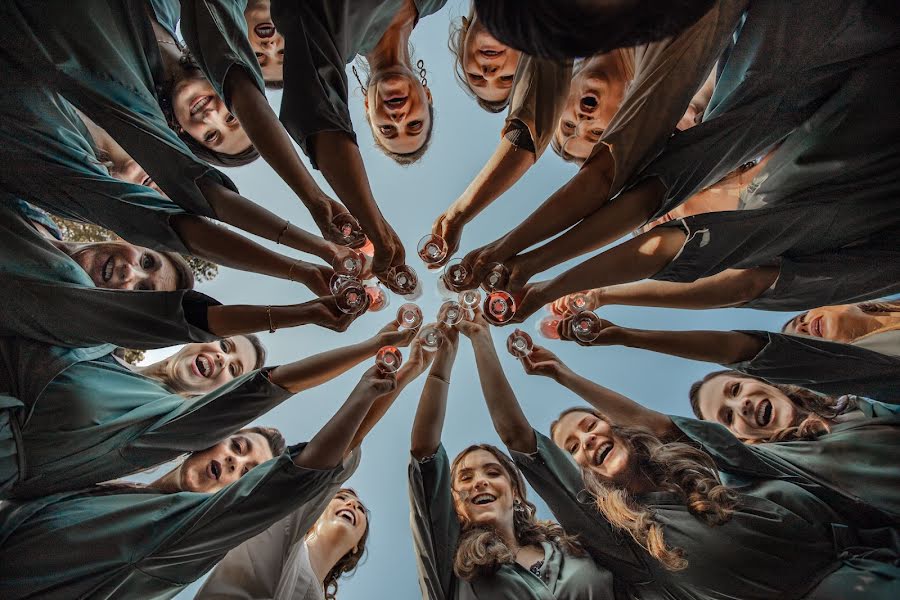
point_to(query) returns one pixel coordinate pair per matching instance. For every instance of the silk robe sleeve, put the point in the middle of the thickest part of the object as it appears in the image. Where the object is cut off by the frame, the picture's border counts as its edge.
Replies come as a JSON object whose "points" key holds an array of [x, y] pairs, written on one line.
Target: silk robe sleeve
{"points": [[557, 479], [538, 95], [828, 367], [435, 527]]}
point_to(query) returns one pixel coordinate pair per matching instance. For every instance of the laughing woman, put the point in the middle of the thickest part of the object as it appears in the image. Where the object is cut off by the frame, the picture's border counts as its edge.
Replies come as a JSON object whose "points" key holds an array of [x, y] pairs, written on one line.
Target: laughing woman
{"points": [[152, 541], [475, 532], [660, 517], [74, 417]]}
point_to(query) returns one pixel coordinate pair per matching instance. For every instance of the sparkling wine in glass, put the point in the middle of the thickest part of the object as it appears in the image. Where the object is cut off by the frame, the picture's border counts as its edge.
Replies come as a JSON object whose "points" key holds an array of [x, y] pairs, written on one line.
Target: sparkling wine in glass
{"points": [[519, 343], [451, 312], [406, 281], [351, 296], [432, 249], [496, 279], [348, 228], [378, 298], [409, 316], [388, 359], [586, 326], [548, 327], [469, 300], [499, 307], [431, 338]]}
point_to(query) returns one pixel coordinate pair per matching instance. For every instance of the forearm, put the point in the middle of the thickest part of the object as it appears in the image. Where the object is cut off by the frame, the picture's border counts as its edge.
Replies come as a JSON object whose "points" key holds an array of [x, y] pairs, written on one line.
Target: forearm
{"points": [[429, 420], [724, 347], [505, 167], [329, 446], [240, 319], [381, 406], [269, 136], [319, 368]]}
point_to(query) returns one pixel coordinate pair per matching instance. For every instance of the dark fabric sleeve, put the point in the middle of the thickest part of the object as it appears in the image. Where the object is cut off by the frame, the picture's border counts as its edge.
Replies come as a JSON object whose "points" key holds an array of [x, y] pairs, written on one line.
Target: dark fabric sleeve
{"points": [[435, 528], [537, 98], [729, 453], [519, 136], [557, 479], [828, 367]]}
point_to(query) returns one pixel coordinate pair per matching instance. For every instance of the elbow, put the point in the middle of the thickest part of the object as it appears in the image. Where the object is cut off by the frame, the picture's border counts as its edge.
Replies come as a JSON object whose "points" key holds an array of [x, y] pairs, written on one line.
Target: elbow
{"points": [[520, 438], [753, 283]]}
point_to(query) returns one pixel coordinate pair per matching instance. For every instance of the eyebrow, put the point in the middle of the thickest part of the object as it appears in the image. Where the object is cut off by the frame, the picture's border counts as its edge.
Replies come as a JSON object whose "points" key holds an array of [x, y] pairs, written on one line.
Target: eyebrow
{"points": [[793, 322]]}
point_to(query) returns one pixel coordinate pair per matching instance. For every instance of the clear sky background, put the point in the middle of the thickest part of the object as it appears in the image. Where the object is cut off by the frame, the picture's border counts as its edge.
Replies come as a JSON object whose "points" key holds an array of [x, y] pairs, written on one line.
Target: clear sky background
{"points": [[411, 198]]}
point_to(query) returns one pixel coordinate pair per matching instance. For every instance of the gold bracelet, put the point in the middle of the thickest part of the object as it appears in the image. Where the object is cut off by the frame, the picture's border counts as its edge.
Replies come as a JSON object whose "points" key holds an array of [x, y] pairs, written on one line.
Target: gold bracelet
{"points": [[291, 271], [439, 378], [272, 327], [283, 229]]}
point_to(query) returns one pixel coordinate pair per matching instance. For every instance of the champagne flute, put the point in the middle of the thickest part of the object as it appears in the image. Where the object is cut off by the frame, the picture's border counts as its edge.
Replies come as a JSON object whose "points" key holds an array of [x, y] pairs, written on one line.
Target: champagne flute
{"points": [[409, 316], [586, 326], [432, 249], [576, 303], [350, 265], [351, 297], [499, 307], [450, 313], [469, 300], [388, 359], [406, 281], [431, 338], [348, 228], [496, 279], [519, 343], [454, 276]]}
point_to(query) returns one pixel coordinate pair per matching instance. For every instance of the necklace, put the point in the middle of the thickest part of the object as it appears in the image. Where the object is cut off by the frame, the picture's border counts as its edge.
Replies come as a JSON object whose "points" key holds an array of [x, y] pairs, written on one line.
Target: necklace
{"points": [[176, 44]]}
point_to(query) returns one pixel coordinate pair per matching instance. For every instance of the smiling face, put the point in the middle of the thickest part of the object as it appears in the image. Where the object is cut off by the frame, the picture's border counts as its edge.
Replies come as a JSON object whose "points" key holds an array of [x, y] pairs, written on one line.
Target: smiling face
{"points": [[203, 116], [344, 521], [226, 462], [201, 368], [397, 104], [750, 409], [267, 43], [122, 266], [489, 66], [593, 444], [483, 490], [844, 323]]}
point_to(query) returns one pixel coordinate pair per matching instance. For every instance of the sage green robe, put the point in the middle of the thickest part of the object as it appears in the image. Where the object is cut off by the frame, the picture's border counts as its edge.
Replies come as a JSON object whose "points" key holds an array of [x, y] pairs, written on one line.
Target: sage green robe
{"points": [[436, 530], [138, 542], [778, 544]]}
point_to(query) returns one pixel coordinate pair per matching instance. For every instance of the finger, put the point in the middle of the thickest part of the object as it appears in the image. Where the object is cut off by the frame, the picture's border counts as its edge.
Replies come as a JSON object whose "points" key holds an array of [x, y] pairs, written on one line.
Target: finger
{"points": [[392, 326]]}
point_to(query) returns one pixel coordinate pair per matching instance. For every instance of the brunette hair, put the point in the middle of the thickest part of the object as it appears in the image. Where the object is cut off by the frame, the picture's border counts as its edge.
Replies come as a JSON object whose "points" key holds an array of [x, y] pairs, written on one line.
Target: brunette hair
{"points": [[674, 467], [183, 272], [814, 411], [481, 551], [457, 44], [348, 563], [871, 307], [261, 352], [277, 443]]}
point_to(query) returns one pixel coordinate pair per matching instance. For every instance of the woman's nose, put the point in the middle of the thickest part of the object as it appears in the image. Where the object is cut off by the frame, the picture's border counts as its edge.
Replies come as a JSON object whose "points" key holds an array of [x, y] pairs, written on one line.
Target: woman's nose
{"points": [[489, 70], [746, 407], [589, 442]]}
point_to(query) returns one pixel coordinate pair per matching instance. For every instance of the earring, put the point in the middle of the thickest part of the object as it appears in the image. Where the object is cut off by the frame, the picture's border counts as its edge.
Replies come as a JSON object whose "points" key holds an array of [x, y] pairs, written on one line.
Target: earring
{"points": [[365, 90], [422, 71], [517, 506]]}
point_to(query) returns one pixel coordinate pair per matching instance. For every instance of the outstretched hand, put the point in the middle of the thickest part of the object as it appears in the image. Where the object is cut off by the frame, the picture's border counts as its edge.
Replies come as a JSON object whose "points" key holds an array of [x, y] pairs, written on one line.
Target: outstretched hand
{"points": [[374, 382], [324, 215], [476, 326], [608, 331], [389, 252], [560, 306], [392, 335], [451, 230], [324, 312], [532, 298], [541, 361]]}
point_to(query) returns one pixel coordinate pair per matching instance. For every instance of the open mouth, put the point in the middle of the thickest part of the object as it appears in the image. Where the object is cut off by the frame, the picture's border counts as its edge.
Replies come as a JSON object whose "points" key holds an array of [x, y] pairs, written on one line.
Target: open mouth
{"points": [[203, 366], [348, 515], [589, 103], [200, 103], [214, 469], [764, 413], [107, 271], [490, 52], [482, 499], [264, 30], [395, 102], [602, 452], [815, 327]]}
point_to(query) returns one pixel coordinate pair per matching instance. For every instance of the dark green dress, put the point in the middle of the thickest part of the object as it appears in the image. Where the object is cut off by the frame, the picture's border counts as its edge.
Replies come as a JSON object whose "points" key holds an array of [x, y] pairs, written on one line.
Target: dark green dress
{"points": [[778, 544], [436, 532], [139, 542]]}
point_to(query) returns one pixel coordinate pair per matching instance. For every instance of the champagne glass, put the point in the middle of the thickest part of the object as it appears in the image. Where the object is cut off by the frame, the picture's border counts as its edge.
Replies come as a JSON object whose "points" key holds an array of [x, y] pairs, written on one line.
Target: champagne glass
{"points": [[548, 326], [432, 249], [469, 300], [454, 276], [431, 338], [348, 228], [450, 312], [586, 326], [350, 265], [519, 343], [409, 316], [499, 307], [351, 296], [496, 279], [577, 303], [388, 359], [338, 281], [378, 298], [406, 281]]}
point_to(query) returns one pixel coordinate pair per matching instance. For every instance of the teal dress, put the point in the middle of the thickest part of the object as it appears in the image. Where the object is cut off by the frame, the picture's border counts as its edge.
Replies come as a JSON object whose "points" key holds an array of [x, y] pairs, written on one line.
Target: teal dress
{"points": [[103, 58], [321, 37], [436, 531], [779, 544], [47, 296], [75, 417], [126, 541]]}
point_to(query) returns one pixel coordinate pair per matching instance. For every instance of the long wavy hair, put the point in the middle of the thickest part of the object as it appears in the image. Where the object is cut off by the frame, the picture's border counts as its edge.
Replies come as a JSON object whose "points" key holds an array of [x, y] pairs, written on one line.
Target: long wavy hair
{"points": [[348, 563], [874, 307], [814, 412], [674, 467], [481, 550]]}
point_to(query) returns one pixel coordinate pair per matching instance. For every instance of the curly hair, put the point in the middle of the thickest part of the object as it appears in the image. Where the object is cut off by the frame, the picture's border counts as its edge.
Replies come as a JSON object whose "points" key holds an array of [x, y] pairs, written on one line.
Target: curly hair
{"points": [[456, 42], [813, 415], [348, 563], [481, 550], [670, 466]]}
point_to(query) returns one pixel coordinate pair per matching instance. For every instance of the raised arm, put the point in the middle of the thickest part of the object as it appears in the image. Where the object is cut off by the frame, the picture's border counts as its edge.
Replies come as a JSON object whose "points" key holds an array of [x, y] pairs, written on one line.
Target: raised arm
{"points": [[429, 420], [510, 422], [238, 319]]}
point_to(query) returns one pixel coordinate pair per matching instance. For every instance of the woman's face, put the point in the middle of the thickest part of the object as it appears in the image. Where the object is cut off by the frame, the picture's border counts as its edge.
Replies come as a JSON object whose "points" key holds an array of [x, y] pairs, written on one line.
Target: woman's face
{"points": [[750, 409], [204, 116], [843, 323], [344, 521], [122, 266], [201, 368], [483, 490], [595, 94], [489, 65], [593, 444], [226, 462], [267, 43], [397, 105]]}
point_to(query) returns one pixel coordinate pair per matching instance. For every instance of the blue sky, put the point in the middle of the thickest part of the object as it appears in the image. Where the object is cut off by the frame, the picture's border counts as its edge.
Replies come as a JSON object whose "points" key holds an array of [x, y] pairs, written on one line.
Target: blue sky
{"points": [[410, 199]]}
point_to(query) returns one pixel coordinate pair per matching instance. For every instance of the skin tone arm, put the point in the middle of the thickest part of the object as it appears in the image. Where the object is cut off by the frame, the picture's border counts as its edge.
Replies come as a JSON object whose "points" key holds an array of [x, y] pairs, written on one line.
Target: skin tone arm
{"points": [[329, 446], [505, 167], [723, 347], [239, 319], [429, 420], [620, 409], [275, 146], [510, 422]]}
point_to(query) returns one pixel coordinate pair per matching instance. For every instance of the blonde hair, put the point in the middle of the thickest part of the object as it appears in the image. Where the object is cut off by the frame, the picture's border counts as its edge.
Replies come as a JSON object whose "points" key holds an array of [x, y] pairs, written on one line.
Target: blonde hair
{"points": [[481, 550], [456, 42]]}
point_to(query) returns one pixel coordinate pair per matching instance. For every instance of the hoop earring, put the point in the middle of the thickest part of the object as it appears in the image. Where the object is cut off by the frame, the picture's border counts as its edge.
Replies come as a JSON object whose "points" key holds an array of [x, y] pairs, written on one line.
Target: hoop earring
{"points": [[365, 90], [420, 64]]}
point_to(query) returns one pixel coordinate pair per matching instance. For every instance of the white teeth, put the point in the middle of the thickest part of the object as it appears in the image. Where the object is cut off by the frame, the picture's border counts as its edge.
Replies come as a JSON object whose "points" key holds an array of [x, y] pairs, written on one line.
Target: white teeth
{"points": [[348, 515], [602, 452], [203, 365], [107, 270], [483, 499]]}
